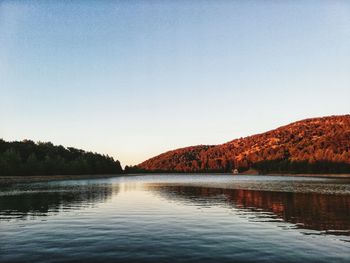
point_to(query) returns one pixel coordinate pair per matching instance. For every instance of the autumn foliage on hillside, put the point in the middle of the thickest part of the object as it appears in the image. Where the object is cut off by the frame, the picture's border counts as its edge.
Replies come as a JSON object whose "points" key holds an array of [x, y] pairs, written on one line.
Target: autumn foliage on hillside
{"points": [[311, 145]]}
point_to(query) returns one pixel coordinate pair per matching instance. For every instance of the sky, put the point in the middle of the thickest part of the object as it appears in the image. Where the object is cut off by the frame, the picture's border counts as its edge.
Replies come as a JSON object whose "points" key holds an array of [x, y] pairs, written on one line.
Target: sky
{"points": [[133, 79]]}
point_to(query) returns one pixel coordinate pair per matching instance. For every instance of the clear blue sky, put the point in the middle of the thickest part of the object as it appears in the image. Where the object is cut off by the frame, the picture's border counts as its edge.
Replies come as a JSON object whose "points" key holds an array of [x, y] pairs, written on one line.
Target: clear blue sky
{"points": [[135, 78]]}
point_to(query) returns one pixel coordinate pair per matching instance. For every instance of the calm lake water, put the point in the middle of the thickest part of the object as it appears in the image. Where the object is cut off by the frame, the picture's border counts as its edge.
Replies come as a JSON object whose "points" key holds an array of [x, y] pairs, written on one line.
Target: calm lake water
{"points": [[187, 218]]}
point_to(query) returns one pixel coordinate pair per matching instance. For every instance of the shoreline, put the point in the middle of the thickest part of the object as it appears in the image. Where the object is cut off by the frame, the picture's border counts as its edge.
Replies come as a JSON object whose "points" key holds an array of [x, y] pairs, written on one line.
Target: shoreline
{"points": [[8, 180], [344, 176]]}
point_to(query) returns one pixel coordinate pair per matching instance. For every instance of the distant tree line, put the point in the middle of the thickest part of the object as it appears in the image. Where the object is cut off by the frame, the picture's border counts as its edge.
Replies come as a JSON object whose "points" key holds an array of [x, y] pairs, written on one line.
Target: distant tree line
{"points": [[138, 170], [318, 145], [43, 158], [288, 166]]}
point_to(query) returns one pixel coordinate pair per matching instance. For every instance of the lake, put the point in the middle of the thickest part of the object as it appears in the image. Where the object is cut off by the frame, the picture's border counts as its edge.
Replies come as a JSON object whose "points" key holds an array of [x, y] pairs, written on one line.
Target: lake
{"points": [[173, 218]]}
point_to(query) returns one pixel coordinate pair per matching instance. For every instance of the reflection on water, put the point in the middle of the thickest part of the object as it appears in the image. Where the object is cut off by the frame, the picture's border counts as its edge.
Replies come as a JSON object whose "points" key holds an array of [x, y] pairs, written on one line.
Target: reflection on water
{"points": [[42, 199], [323, 212], [153, 218]]}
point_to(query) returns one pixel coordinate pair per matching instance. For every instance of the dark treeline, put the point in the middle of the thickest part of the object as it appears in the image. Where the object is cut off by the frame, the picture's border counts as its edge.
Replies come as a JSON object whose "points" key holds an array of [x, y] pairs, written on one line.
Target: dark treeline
{"points": [[44, 158], [138, 170], [288, 166], [267, 167]]}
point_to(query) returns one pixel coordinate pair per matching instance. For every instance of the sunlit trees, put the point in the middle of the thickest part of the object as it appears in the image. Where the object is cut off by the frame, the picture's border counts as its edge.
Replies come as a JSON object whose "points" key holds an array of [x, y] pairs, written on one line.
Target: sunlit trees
{"points": [[308, 146]]}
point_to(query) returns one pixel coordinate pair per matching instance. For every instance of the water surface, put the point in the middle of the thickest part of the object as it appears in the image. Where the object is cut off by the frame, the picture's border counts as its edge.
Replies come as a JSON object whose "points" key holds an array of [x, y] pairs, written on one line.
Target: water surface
{"points": [[187, 218]]}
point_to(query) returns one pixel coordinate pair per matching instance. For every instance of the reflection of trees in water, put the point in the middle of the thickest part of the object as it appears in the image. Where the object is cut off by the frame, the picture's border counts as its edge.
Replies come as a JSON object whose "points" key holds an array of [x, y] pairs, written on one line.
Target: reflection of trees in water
{"points": [[308, 210], [40, 202]]}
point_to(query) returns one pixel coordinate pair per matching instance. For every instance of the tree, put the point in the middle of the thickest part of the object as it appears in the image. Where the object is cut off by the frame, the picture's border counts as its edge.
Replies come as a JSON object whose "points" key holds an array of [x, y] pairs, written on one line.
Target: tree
{"points": [[10, 163], [33, 165], [29, 158]]}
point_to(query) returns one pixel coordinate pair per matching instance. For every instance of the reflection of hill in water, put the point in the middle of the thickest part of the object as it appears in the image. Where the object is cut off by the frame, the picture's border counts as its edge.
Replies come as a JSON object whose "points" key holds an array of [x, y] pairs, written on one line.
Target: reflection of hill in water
{"points": [[43, 200], [323, 212]]}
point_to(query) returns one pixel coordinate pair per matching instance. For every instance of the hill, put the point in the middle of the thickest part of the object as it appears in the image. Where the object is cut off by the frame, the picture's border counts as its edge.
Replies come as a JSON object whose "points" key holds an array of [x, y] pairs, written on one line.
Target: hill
{"points": [[30, 158], [316, 145]]}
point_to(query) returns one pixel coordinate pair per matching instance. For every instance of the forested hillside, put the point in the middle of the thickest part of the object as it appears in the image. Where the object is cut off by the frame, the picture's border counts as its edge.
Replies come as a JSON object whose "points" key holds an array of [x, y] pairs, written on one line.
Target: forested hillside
{"points": [[29, 158], [317, 145]]}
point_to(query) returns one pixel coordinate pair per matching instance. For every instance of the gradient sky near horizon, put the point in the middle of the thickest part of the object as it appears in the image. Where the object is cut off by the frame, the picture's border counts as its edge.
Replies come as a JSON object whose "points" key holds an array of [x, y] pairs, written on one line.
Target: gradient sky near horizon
{"points": [[133, 79]]}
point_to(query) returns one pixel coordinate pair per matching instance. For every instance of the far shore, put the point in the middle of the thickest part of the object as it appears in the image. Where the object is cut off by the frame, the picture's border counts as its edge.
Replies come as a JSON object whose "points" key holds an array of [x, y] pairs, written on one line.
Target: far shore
{"points": [[8, 180], [255, 172], [306, 175]]}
